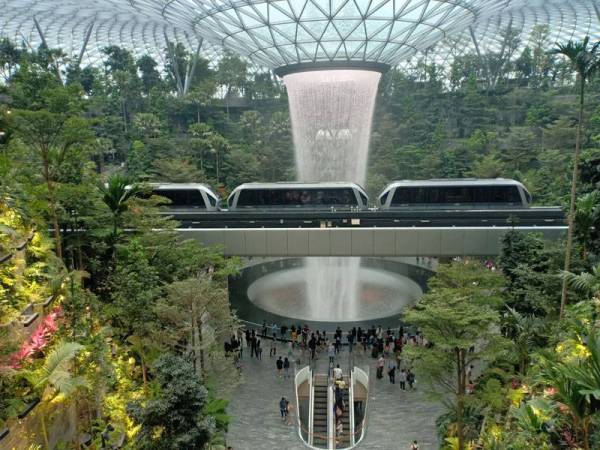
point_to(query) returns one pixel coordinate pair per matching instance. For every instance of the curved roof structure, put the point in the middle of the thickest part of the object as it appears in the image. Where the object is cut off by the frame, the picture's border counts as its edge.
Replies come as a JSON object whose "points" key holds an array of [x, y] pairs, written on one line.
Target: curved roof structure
{"points": [[276, 33]]}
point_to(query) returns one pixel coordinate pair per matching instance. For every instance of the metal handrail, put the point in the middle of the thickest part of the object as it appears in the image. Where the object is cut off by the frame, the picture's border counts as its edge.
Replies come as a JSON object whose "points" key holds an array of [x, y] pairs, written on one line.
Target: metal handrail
{"points": [[328, 439], [351, 406], [259, 326], [330, 416], [311, 408]]}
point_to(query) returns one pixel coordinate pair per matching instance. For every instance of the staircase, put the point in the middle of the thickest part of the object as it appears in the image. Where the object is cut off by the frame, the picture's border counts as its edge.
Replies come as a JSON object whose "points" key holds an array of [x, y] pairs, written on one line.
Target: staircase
{"points": [[344, 441], [320, 412]]}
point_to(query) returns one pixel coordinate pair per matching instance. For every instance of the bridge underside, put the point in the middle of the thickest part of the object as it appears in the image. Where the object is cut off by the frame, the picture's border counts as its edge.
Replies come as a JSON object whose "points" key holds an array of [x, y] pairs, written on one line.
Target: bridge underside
{"points": [[413, 241]]}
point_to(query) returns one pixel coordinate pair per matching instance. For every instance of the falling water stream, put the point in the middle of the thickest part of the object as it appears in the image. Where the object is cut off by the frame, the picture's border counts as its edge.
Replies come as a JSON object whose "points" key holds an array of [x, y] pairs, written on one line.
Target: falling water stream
{"points": [[332, 113]]}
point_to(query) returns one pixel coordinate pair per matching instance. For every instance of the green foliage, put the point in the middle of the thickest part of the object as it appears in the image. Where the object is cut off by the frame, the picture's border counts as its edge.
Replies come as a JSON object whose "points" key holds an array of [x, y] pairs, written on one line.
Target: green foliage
{"points": [[133, 288], [174, 417], [459, 317]]}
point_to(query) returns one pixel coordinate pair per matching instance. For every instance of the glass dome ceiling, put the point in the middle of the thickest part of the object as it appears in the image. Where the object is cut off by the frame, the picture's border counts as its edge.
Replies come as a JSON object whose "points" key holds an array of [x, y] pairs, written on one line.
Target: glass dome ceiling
{"points": [[277, 33]]}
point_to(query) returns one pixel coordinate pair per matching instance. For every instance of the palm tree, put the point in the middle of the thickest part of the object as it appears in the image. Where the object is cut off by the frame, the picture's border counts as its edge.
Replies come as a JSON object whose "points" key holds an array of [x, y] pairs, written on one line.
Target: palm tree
{"points": [[116, 194], [54, 380], [577, 385], [586, 283], [526, 329], [567, 392], [585, 61]]}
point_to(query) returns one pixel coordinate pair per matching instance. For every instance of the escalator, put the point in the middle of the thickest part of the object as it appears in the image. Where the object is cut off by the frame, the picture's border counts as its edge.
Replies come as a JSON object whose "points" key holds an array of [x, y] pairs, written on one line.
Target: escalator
{"points": [[344, 441], [320, 412]]}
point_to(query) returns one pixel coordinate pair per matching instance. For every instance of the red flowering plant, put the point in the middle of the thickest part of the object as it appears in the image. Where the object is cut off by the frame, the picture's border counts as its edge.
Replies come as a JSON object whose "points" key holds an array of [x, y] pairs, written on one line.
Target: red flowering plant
{"points": [[38, 340]]}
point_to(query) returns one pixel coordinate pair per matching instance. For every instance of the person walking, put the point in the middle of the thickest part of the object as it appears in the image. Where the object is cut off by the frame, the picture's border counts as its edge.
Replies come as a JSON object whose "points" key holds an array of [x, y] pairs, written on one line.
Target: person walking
{"points": [[258, 350], [380, 366], [273, 350], [283, 408], [402, 379], [253, 342], [392, 370], [414, 445], [279, 365], [331, 353], [286, 367]]}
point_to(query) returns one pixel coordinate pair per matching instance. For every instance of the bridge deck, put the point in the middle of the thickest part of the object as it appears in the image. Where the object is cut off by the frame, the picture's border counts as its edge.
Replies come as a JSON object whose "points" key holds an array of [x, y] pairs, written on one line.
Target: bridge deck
{"points": [[303, 218], [363, 241]]}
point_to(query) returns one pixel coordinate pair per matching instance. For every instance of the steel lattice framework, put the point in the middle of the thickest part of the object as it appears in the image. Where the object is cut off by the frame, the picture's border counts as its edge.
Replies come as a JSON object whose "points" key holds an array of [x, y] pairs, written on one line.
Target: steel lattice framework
{"points": [[278, 33]]}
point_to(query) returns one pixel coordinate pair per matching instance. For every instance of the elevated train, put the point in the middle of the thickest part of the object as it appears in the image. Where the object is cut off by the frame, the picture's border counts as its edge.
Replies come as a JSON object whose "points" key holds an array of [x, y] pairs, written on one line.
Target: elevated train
{"points": [[451, 202], [466, 193], [320, 196]]}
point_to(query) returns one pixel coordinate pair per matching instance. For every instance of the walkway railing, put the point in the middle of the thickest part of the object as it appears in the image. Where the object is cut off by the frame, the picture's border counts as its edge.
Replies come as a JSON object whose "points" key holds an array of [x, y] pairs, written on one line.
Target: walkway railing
{"points": [[330, 416], [362, 377], [303, 375]]}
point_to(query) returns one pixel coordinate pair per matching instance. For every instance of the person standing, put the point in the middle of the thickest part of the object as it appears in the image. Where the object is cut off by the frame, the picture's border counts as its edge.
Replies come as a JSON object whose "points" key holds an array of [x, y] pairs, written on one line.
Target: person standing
{"points": [[293, 335], [350, 339], [339, 431], [410, 377], [414, 445], [273, 350], [312, 345], [286, 367], [279, 365], [402, 379], [392, 370], [337, 373], [253, 342]]}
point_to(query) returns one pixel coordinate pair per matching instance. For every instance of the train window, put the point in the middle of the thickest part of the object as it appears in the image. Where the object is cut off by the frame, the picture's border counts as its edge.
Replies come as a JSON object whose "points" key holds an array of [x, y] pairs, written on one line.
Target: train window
{"points": [[383, 198], [404, 196], [365, 200], [296, 197], [455, 195], [182, 197]]}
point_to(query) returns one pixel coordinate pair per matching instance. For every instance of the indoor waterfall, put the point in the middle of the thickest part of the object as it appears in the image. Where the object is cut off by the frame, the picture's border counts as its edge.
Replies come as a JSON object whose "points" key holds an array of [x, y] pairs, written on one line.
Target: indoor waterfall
{"points": [[331, 113]]}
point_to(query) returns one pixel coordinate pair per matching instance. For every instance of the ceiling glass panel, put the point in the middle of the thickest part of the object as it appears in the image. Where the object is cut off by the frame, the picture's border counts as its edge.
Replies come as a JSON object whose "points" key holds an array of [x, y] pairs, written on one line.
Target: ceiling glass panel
{"points": [[269, 31]]}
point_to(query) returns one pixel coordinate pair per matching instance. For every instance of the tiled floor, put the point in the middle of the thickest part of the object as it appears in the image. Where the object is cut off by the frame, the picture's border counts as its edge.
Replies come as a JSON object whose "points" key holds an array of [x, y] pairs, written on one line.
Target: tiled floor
{"points": [[394, 418]]}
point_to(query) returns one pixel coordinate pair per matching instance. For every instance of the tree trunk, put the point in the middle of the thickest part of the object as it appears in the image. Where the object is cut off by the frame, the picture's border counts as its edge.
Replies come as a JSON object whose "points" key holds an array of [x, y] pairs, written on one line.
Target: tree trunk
{"points": [[52, 202], [196, 337], [124, 108], [144, 373], [76, 426], [44, 428], [460, 378], [586, 433], [571, 218]]}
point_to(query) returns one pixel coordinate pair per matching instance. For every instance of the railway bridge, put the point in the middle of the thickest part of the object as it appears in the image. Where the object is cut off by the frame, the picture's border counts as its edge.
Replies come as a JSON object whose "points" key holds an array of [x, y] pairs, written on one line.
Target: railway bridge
{"points": [[368, 233]]}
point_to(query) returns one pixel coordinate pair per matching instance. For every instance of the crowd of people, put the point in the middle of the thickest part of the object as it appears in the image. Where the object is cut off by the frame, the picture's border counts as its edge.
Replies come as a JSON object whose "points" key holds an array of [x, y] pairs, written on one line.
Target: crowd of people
{"points": [[304, 344], [383, 345]]}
